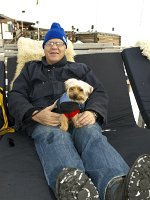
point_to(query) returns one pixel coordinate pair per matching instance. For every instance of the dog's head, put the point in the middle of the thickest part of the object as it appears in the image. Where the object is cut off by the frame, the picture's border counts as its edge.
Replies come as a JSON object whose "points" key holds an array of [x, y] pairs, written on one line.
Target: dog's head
{"points": [[78, 90]]}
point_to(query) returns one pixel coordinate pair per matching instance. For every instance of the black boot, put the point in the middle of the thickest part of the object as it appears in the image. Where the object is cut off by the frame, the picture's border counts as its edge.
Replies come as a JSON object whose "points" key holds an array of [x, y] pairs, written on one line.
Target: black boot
{"points": [[113, 191], [136, 185]]}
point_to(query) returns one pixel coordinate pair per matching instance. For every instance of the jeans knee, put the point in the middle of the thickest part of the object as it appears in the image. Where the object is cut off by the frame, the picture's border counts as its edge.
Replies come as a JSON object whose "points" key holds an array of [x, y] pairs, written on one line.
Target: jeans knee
{"points": [[58, 136], [93, 130], [86, 134], [49, 134]]}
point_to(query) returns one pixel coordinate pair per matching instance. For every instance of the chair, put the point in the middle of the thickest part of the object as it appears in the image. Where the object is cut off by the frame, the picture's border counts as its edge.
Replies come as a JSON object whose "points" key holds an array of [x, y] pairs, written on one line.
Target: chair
{"points": [[138, 70], [21, 174]]}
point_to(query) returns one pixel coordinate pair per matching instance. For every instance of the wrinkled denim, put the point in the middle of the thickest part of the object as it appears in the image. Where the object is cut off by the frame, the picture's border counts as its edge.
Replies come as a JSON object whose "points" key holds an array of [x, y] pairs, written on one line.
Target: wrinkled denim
{"points": [[83, 148]]}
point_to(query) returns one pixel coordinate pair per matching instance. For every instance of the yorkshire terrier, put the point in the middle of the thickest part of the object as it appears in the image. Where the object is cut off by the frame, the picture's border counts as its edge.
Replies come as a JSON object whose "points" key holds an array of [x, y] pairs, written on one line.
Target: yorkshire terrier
{"points": [[72, 101]]}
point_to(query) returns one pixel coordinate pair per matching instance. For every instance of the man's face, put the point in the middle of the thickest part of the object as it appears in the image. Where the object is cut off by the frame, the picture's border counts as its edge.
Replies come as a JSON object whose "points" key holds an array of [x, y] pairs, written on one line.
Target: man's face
{"points": [[54, 50]]}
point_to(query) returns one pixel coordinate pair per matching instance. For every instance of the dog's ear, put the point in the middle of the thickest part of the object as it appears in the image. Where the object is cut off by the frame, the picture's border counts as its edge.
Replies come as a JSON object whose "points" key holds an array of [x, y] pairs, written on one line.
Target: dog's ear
{"points": [[90, 90], [69, 82]]}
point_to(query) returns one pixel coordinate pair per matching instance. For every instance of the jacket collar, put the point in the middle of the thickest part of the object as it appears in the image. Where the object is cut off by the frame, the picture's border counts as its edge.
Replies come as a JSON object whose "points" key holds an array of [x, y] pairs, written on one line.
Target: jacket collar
{"points": [[61, 63]]}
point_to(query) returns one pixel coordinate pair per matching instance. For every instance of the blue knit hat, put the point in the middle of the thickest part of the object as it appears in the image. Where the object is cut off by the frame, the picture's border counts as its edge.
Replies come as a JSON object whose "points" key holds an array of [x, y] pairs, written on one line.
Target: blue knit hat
{"points": [[56, 31]]}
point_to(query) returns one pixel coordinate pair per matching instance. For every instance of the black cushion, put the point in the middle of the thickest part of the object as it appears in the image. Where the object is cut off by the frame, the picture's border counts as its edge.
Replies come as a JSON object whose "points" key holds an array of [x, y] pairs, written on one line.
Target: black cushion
{"points": [[21, 174], [130, 142], [138, 70]]}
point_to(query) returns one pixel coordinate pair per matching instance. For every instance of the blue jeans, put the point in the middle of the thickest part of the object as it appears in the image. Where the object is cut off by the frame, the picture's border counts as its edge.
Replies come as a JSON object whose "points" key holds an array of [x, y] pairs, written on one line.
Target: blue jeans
{"points": [[83, 148]]}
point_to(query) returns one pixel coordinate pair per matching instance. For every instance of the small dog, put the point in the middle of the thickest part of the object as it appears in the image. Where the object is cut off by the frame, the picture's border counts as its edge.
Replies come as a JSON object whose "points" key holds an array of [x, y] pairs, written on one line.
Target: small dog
{"points": [[77, 92]]}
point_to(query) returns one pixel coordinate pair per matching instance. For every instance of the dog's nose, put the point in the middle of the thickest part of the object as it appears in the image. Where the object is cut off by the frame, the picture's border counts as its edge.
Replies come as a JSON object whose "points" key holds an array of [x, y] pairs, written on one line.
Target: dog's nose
{"points": [[75, 96]]}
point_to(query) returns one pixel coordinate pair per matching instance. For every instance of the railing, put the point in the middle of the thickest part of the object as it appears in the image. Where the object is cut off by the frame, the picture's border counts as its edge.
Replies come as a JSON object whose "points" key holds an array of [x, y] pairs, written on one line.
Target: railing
{"points": [[85, 48], [8, 50]]}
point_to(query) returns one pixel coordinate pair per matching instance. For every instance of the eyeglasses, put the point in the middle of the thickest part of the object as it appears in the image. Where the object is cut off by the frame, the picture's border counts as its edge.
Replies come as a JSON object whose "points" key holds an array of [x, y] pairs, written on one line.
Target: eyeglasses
{"points": [[51, 44]]}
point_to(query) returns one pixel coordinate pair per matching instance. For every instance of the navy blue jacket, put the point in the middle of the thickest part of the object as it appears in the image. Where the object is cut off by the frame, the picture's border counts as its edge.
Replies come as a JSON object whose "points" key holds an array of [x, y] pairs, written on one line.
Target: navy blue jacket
{"points": [[40, 84]]}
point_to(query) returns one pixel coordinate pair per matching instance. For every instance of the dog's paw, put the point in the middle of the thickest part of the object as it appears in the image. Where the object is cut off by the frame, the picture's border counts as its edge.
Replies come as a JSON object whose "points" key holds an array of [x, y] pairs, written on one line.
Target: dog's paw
{"points": [[64, 123], [63, 128], [76, 126]]}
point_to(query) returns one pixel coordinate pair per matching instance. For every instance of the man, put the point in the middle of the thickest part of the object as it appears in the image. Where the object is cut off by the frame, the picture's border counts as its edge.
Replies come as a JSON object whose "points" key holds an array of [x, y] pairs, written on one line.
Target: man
{"points": [[80, 163]]}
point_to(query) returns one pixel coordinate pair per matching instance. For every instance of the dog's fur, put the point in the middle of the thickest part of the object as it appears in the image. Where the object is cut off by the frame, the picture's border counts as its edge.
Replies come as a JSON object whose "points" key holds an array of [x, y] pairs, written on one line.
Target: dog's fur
{"points": [[77, 91]]}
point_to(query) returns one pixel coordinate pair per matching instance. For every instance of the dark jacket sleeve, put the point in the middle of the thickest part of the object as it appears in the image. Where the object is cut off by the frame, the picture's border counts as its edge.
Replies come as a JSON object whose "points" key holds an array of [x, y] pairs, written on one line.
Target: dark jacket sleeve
{"points": [[98, 100], [18, 97]]}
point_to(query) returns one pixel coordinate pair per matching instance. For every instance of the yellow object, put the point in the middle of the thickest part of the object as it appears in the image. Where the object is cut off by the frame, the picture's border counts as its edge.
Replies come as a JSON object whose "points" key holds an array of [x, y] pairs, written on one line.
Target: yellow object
{"points": [[3, 116]]}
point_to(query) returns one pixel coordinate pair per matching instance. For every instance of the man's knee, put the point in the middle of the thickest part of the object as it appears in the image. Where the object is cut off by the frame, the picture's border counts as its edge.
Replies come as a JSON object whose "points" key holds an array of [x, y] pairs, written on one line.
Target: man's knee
{"points": [[93, 129], [49, 134], [88, 133], [58, 136]]}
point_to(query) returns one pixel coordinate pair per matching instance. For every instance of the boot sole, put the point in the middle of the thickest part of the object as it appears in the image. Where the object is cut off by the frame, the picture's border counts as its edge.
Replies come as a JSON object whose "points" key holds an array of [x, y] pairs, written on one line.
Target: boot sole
{"points": [[138, 179], [75, 184]]}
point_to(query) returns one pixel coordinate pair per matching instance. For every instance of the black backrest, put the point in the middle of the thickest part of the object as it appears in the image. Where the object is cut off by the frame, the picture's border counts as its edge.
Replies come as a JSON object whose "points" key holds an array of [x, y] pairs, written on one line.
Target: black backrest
{"points": [[2, 74], [138, 70], [108, 67], [11, 67]]}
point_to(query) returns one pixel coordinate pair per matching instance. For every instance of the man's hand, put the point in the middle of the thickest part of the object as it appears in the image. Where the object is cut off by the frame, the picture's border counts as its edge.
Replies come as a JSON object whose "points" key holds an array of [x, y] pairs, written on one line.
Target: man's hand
{"points": [[47, 117], [85, 118]]}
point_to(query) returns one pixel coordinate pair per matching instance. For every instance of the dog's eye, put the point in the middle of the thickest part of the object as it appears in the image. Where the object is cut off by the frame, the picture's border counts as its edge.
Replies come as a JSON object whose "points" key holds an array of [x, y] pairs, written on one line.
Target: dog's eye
{"points": [[81, 90], [70, 89]]}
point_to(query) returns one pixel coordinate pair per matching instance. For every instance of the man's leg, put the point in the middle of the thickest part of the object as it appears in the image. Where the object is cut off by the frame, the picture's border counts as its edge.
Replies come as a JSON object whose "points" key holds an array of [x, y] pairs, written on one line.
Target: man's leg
{"points": [[61, 162], [101, 161], [56, 151]]}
